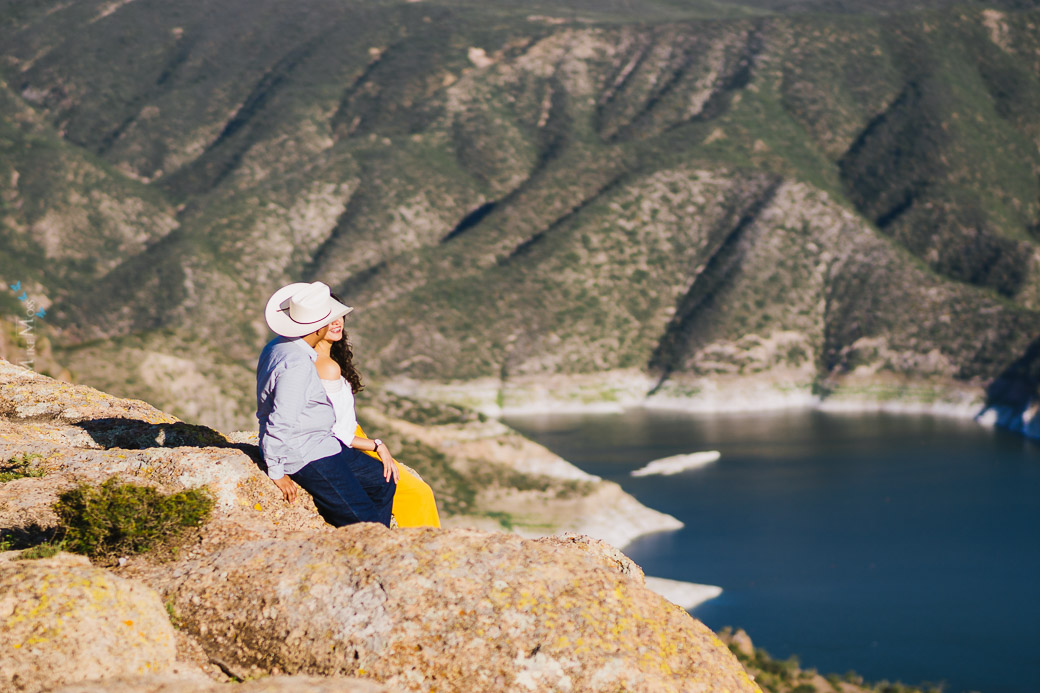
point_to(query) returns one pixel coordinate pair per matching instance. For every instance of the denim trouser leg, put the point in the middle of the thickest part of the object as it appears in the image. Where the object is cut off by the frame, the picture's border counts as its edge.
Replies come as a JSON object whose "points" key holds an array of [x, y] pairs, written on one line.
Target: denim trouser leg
{"points": [[348, 487]]}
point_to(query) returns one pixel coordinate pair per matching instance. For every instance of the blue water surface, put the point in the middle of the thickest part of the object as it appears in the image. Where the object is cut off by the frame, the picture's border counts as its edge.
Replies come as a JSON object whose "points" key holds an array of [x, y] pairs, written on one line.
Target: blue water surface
{"points": [[902, 547]]}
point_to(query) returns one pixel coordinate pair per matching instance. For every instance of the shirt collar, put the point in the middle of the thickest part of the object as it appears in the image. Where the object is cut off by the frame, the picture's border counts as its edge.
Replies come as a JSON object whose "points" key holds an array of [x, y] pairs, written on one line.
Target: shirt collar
{"points": [[308, 349]]}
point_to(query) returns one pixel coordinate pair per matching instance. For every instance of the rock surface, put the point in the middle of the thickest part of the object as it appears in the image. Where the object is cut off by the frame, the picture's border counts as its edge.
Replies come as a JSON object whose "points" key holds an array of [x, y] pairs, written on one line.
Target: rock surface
{"points": [[455, 610], [63, 620], [200, 684], [269, 589], [77, 434]]}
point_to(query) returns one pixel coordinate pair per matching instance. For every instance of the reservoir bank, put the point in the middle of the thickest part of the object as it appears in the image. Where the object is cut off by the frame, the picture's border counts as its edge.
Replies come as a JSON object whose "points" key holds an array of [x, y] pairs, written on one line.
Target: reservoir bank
{"points": [[904, 547]]}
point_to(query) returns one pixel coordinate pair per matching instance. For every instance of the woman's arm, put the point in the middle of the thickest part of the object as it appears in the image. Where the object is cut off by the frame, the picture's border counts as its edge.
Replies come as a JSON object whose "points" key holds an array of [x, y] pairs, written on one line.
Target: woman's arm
{"points": [[364, 444], [382, 451]]}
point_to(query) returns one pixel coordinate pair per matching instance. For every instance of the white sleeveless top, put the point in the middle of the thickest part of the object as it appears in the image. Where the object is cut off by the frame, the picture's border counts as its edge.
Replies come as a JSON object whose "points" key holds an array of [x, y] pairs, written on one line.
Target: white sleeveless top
{"points": [[342, 399]]}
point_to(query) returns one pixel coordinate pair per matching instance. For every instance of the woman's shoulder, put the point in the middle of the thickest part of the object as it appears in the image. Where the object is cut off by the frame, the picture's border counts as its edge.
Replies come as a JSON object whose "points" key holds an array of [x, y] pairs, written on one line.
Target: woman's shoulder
{"points": [[327, 368]]}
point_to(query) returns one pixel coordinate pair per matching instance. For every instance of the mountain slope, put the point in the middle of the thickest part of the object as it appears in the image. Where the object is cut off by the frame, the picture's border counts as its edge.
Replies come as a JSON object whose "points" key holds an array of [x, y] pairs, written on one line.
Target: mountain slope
{"points": [[691, 197]]}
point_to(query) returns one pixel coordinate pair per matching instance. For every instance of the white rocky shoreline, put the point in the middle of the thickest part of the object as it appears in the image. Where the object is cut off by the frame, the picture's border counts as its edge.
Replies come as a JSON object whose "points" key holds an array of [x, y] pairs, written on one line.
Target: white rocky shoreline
{"points": [[619, 391]]}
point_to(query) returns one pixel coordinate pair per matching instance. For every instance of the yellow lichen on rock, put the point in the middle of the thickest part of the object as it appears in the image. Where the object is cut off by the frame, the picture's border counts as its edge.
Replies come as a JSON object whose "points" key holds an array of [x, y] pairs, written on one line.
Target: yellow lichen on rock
{"points": [[25, 394], [65, 621], [448, 610], [200, 684], [268, 588]]}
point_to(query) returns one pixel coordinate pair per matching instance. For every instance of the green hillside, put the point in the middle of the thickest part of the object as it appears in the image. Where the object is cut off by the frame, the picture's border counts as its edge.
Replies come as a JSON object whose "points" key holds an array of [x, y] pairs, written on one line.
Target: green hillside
{"points": [[829, 197]]}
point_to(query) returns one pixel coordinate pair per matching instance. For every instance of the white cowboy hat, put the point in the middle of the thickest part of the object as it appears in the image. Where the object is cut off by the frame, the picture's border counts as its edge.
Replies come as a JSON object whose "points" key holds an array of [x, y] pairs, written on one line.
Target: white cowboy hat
{"points": [[301, 308]]}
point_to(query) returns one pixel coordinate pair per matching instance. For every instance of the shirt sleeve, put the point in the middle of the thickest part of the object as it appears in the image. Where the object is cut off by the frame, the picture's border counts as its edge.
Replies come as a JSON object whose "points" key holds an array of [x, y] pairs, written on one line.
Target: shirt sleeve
{"points": [[288, 402]]}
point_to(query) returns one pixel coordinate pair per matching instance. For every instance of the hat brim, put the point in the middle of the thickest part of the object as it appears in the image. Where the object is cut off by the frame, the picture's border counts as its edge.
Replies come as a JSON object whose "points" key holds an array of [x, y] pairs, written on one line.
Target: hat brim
{"points": [[280, 322]]}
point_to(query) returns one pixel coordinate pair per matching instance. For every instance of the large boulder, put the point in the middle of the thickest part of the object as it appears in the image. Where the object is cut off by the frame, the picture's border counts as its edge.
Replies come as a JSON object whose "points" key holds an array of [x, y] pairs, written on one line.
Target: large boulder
{"points": [[200, 684], [63, 620], [446, 610]]}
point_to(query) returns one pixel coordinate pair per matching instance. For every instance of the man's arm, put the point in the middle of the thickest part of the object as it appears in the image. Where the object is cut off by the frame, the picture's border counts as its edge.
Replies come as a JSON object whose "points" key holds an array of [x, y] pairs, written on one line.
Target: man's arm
{"points": [[289, 398]]}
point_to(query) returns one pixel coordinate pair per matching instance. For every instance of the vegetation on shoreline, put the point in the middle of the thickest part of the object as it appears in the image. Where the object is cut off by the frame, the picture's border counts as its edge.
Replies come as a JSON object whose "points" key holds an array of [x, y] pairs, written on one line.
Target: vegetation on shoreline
{"points": [[786, 676]]}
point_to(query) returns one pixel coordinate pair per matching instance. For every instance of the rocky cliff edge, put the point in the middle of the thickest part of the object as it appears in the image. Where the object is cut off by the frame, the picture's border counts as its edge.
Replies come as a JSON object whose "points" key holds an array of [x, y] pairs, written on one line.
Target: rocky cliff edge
{"points": [[269, 594]]}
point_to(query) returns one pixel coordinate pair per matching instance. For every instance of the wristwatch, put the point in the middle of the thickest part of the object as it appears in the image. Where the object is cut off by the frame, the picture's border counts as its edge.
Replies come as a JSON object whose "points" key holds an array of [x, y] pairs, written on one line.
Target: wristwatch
{"points": [[378, 443]]}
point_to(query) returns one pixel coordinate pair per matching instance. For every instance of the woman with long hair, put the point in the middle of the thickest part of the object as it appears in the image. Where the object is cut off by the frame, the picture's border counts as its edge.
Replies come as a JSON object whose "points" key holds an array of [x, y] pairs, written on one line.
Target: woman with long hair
{"points": [[414, 504]]}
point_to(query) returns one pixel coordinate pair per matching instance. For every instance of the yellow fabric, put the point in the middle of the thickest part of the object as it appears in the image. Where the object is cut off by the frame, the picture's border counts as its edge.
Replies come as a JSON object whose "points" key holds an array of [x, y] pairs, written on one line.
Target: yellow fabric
{"points": [[414, 504]]}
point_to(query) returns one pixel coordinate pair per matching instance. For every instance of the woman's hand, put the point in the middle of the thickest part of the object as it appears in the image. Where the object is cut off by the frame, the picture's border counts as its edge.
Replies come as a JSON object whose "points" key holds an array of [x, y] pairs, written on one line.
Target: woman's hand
{"points": [[287, 487], [389, 463]]}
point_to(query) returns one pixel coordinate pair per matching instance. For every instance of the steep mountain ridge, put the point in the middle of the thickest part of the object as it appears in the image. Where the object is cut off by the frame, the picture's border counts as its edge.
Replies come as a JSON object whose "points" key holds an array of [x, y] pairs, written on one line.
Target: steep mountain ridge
{"points": [[819, 203]]}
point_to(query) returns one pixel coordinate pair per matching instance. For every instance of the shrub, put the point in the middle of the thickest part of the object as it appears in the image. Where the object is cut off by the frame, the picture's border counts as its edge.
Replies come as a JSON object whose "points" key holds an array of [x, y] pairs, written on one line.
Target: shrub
{"points": [[118, 518]]}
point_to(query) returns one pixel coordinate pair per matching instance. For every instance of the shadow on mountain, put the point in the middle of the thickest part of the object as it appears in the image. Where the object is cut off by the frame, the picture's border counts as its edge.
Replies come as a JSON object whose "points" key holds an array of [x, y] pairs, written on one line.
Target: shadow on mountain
{"points": [[1012, 392], [471, 220]]}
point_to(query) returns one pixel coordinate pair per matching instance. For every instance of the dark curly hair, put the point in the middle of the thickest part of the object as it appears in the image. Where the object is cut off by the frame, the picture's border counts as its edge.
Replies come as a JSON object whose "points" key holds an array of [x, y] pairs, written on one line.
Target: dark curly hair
{"points": [[342, 354]]}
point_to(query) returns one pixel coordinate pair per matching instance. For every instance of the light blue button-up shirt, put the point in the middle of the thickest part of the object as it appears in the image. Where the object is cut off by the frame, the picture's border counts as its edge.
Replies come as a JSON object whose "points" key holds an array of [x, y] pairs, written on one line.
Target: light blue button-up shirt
{"points": [[295, 414]]}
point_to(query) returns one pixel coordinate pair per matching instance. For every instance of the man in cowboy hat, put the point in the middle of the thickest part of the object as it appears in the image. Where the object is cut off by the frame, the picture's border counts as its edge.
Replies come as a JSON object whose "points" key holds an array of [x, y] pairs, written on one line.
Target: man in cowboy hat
{"points": [[296, 416]]}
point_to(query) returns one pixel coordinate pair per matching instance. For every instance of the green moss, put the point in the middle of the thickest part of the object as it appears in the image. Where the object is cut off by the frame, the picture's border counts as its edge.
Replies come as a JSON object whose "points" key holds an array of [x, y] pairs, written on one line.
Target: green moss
{"points": [[20, 467], [171, 611], [40, 551], [119, 518]]}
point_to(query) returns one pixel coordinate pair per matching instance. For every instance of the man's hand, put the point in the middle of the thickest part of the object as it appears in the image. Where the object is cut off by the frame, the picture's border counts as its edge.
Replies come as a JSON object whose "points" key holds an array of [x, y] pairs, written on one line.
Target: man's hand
{"points": [[389, 463], [287, 487]]}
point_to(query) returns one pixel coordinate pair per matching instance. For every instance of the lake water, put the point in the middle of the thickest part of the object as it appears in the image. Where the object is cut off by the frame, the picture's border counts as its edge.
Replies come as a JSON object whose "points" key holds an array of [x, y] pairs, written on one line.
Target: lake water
{"points": [[902, 547]]}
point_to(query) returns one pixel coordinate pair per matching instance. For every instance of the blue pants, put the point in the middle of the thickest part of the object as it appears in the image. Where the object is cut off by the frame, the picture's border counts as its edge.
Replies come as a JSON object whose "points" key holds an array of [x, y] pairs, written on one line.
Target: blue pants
{"points": [[348, 487]]}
